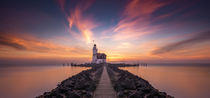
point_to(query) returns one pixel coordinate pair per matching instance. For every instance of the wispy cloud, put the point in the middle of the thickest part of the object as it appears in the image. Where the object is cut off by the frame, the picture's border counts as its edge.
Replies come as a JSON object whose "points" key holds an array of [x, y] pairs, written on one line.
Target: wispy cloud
{"points": [[125, 45], [136, 19], [33, 44], [76, 18], [196, 39], [6, 41]]}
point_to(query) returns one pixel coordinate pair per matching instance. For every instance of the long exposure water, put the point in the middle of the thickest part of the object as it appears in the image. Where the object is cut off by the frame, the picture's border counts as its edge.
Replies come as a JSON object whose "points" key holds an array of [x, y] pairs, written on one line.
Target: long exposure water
{"points": [[31, 81], [178, 81]]}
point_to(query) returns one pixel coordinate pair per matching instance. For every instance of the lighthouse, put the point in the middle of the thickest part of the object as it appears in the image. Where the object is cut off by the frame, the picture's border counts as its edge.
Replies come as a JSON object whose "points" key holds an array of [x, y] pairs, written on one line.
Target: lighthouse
{"points": [[94, 57], [98, 58]]}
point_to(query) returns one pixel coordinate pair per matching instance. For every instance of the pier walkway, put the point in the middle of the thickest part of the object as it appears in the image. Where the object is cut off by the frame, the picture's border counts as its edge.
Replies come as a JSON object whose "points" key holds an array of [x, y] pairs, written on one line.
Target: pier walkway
{"points": [[104, 88]]}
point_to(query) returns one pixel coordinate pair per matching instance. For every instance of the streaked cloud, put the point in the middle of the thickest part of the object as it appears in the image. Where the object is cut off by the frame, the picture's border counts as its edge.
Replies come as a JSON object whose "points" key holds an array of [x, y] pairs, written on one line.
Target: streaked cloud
{"points": [[187, 43], [135, 20], [28, 43], [7, 41], [76, 18]]}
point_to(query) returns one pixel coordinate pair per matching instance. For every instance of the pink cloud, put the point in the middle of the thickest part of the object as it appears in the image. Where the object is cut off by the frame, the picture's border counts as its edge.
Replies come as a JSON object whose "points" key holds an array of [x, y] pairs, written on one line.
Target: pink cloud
{"points": [[84, 24], [136, 19]]}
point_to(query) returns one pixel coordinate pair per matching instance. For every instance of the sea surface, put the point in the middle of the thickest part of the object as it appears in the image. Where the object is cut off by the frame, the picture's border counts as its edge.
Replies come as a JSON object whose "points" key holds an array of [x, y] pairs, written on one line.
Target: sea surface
{"points": [[179, 81], [32, 81]]}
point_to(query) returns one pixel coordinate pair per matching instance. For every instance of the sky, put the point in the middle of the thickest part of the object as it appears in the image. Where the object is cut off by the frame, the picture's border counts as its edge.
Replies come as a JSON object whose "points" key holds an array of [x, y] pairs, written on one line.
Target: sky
{"points": [[56, 31]]}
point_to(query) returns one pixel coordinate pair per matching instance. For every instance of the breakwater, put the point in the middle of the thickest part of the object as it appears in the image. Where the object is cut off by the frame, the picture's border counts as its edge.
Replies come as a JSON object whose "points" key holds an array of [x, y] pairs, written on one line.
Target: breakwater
{"points": [[114, 81], [128, 85], [81, 85]]}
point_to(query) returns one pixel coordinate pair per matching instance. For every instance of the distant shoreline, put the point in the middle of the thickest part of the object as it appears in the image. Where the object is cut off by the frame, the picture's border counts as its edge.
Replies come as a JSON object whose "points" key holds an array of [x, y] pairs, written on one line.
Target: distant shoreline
{"points": [[149, 64]]}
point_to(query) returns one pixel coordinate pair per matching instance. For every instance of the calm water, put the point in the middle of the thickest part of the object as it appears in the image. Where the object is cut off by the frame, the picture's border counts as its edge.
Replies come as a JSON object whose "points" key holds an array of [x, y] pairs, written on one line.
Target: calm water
{"points": [[29, 82], [178, 81]]}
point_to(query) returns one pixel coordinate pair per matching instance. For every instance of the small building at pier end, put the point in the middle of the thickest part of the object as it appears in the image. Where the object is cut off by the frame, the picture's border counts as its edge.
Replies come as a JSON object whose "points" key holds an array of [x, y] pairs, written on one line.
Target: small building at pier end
{"points": [[98, 58]]}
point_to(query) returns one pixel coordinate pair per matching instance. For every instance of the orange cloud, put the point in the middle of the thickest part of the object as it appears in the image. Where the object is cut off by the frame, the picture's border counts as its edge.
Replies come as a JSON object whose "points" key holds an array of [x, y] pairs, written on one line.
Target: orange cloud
{"points": [[83, 24], [27, 45]]}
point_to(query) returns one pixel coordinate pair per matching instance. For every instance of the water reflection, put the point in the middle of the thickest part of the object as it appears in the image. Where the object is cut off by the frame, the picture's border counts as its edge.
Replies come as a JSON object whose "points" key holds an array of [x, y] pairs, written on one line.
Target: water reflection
{"points": [[28, 82], [178, 81]]}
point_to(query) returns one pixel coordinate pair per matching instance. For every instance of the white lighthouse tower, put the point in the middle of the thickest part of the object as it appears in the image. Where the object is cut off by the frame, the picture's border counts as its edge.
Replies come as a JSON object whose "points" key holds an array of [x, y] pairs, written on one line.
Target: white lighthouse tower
{"points": [[95, 50]]}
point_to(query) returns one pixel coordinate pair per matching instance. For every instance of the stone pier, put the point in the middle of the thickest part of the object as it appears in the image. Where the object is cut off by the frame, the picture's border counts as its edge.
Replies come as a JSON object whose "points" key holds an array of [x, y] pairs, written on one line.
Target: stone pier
{"points": [[104, 88]]}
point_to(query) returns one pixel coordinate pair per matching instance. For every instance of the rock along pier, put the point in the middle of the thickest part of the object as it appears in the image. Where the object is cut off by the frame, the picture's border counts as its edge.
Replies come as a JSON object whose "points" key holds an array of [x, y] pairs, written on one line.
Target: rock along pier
{"points": [[104, 81]]}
